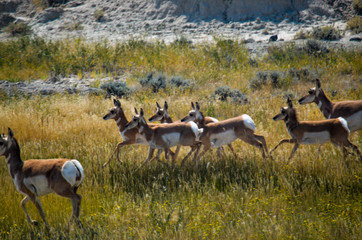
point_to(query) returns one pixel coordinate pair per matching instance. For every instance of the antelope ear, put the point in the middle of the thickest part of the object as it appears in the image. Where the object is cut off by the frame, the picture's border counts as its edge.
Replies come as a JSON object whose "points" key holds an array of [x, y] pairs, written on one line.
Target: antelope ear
{"points": [[116, 103], [10, 133], [192, 105], [289, 102], [141, 112], [135, 110], [318, 84], [165, 106], [158, 105], [197, 106]]}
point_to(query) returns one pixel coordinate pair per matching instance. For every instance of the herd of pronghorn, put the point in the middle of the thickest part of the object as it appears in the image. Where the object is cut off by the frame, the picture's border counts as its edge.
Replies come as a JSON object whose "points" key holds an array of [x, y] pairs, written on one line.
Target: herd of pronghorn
{"points": [[35, 178]]}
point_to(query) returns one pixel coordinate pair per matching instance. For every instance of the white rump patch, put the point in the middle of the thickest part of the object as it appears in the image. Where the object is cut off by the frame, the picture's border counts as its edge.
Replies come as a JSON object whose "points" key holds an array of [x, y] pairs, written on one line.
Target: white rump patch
{"points": [[71, 170], [172, 139], [38, 185], [344, 124], [213, 119], [249, 123], [315, 137]]}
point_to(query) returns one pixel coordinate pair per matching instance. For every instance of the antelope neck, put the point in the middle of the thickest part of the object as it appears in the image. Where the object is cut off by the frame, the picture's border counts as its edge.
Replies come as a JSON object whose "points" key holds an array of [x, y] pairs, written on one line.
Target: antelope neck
{"points": [[324, 104], [13, 159], [291, 123], [121, 122], [166, 119]]}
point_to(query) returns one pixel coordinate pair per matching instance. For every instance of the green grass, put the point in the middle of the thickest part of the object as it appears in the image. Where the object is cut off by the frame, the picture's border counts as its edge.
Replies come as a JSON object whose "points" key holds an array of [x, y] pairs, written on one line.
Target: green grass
{"points": [[312, 197]]}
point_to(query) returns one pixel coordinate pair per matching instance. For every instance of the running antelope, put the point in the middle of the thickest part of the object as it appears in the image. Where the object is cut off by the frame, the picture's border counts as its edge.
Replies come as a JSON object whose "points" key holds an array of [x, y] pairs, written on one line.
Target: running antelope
{"points": [[196, 116], [313, 132], [39, 177], [130, 137], [217, 134], [163, 116], [349, 110], [165, 136]]}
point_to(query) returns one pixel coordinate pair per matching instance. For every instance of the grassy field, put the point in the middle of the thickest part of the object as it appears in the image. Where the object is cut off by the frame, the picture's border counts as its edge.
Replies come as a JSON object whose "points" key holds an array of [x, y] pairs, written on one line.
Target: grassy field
{"points": [[312, 197]]}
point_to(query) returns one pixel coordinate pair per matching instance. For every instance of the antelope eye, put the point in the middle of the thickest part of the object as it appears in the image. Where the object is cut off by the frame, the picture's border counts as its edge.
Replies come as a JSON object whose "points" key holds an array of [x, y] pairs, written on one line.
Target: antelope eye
{"points": [[191, 114], [283, 111], [112, 111], [310, 92], [159, 113]]}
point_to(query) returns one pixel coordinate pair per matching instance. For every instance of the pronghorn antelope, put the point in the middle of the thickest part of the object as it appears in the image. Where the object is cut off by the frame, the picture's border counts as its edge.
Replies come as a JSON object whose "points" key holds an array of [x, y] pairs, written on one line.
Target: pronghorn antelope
{"points": [[313, 132], [163, 116], [38, 177], [217, 134], [165, 136], [196, 116], [349, 110], [130, 137]]}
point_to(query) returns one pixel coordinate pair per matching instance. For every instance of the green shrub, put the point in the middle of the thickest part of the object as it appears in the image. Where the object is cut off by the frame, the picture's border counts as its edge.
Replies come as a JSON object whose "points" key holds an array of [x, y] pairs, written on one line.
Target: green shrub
{"points": [[314, 47], [357, 6], [355, 25], [179, 82], [156, 83], [17, 29], [278, 79], [302, 35], [118, 89], [74, 26], [275, 78], [328, 33], [224, 92], [98, 15]]}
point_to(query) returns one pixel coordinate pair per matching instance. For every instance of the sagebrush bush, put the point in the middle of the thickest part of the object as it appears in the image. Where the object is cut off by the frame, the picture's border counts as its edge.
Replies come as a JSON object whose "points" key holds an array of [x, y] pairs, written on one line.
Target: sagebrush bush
{"points": [[118, 89], [98, 15], [355, 25], [179, 82], [157, 82], [305, 74], [302, 35], [274, 78], [315, 47], [18, 29], [328, 33], [224, 92], [357, 6]]}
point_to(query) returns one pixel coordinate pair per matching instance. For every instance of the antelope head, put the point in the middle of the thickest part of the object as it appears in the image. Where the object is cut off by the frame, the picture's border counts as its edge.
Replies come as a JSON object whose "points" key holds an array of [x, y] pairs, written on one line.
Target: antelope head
{"points": [[285, 112], [136, 121], [193, 114], [115, 111], [5, 142], [312, 94], [160, 112]]}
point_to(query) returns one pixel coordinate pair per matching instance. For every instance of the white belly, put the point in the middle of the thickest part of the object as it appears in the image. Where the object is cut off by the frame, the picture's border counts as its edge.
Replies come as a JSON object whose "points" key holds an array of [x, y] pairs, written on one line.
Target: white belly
{"points": [[315, 137], [171, 139], [355, 121], [38, 185], [220, 139]]}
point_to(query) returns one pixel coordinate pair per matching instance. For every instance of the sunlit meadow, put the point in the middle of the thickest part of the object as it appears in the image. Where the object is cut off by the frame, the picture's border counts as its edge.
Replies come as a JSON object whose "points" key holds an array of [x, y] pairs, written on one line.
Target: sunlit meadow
{"points": [[315, 196]]}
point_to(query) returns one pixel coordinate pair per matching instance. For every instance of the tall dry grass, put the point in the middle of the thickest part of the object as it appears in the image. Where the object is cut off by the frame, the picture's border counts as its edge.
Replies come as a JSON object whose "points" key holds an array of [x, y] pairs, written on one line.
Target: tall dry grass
{"points": [[312, 197]]}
